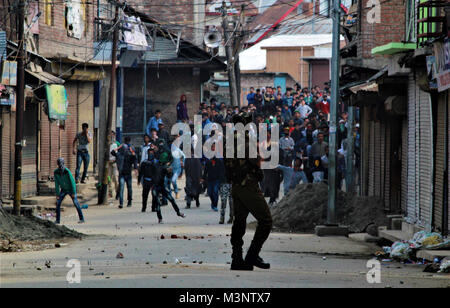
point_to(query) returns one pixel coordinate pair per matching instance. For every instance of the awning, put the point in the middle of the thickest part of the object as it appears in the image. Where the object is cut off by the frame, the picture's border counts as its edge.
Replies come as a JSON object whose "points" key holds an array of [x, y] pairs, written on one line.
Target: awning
{"points": [[45, 77], [368, 87], [88, 74]]}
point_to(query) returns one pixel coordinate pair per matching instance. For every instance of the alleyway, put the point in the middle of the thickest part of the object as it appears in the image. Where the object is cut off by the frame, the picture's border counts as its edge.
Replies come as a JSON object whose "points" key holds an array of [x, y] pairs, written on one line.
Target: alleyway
{"points": [[298, 260]]}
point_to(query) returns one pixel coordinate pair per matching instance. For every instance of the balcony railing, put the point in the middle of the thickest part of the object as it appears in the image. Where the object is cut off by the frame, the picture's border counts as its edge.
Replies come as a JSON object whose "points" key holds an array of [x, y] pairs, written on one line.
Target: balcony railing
{"points": [[431, 20]]}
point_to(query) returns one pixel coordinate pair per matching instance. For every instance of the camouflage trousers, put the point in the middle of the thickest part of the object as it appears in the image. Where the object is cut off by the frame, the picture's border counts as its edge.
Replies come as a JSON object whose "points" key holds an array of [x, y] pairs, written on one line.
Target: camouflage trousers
{"points": [[225, 195]]}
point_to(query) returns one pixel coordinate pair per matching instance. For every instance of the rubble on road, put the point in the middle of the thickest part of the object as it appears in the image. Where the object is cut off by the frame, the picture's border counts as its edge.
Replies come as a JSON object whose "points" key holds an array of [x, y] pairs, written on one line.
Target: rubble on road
{"points": [[305, 207], [17, 232]]}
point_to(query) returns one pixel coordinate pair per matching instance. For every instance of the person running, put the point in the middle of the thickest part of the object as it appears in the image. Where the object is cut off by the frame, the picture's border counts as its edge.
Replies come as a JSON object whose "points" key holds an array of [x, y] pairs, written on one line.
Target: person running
{"points": [[65, 185], [161, 171]]}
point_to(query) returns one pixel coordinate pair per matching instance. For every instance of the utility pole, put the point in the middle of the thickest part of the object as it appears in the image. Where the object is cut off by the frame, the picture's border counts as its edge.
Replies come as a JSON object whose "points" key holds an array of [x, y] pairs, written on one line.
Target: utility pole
{"points": [[331, 214], [231, 68], [19, 109], [103, 198]]}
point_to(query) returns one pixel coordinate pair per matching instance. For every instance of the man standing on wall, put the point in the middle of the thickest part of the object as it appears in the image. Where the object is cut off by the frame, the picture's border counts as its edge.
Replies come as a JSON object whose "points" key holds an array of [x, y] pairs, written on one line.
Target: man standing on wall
{"points": [[82, 152]]}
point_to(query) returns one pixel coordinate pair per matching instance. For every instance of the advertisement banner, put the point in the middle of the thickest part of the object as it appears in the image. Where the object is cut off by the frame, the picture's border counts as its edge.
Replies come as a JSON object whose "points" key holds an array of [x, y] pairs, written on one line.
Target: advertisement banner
{"points": [[57, 102]]}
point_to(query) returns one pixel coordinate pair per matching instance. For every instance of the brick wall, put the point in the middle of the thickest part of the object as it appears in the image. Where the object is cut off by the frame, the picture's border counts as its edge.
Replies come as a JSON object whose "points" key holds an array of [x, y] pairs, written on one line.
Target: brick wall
{"points": [[390, 29], [54, 41], [57, 142], [164, 88]]}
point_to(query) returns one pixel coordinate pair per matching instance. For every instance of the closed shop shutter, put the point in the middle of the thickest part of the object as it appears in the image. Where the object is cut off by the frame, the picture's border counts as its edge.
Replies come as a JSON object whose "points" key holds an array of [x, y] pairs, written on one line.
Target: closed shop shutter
{"points": [[387, 169], [411, 166], [29, 152], [448, 161], [426, 158], [377, 173], [404, 156], [7, 153], [440, 164], [371, 188]]}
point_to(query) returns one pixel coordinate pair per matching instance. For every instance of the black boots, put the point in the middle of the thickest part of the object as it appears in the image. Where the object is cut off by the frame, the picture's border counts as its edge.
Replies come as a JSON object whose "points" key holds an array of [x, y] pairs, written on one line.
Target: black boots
{"points": [[254, 259], [257, 261], [238, 263]]}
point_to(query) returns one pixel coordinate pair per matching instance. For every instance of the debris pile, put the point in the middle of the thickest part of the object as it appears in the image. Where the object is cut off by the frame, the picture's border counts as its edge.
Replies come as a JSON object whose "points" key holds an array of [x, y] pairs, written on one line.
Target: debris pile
{"points": [[305, 207], [15, 230]]}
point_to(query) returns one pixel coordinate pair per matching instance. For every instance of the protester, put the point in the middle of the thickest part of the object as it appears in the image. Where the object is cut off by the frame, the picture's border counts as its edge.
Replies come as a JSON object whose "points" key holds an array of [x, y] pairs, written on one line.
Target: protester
{"points": [[153, 122], [182, 111], [65, 185], [193, 172], [126, 163], [112, 167], [213, 174], [83, 139]]}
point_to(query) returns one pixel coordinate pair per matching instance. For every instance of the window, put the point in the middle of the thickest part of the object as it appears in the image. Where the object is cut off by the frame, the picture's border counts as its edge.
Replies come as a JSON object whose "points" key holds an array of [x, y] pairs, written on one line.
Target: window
{"points": [[48, 12]]}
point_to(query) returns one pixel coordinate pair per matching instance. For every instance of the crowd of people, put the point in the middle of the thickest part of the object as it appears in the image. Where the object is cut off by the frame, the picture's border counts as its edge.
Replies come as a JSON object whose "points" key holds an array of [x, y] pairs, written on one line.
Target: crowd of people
{"points": [[303, 118]]}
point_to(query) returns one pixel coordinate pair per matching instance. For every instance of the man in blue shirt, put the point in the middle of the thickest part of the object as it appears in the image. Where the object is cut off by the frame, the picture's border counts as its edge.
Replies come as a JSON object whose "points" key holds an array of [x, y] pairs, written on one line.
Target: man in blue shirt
{"points": [[251, 96], [292, 175], [154, 122]]}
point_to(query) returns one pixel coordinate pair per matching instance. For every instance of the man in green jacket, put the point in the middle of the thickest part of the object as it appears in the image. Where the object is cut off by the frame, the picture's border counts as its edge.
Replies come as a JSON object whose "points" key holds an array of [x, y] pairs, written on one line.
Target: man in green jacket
{"points": [[65, 185]]}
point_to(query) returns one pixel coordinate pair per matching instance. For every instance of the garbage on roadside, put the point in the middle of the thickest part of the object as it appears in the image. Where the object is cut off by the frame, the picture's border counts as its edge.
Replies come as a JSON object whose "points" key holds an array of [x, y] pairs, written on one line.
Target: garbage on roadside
{"points": [[425, 239], [405, 251], [445, 266], [401, 251]]}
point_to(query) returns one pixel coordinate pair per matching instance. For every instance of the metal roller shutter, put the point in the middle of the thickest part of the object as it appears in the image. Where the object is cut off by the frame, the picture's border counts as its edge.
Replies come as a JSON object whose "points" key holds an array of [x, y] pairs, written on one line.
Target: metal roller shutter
{"points": [[426, 158], [371, 190], [377, 173], [387, 169], [412, 150], [438, 217], [29, 152], [404, 156]]}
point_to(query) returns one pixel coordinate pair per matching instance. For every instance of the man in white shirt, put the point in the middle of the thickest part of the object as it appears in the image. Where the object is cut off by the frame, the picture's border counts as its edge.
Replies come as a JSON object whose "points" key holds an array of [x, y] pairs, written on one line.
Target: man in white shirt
{"points": [[112, 167]]}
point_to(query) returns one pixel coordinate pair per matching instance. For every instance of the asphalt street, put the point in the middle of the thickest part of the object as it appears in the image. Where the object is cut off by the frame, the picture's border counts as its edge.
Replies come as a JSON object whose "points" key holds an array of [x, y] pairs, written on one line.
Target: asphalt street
{"points": [[198, 257]]}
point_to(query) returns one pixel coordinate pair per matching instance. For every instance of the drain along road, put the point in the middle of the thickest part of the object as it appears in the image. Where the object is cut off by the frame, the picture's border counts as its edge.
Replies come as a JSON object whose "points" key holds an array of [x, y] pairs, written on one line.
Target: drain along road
{"points": [[199, 257]]}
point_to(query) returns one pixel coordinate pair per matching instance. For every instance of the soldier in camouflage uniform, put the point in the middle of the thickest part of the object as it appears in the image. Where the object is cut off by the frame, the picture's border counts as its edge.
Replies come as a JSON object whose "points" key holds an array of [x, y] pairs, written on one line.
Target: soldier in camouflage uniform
{"points": [[244, 176]]}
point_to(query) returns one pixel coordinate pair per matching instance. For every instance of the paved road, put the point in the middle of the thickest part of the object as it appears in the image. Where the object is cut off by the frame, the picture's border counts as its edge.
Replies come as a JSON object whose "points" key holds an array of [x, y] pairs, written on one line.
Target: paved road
{"points": [[298, 260]]}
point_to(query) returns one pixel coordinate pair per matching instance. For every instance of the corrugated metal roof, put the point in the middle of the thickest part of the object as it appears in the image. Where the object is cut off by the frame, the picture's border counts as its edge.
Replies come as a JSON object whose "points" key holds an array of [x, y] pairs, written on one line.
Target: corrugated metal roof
{"points": [[45, 77], [2, 45], [165, 49]]}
